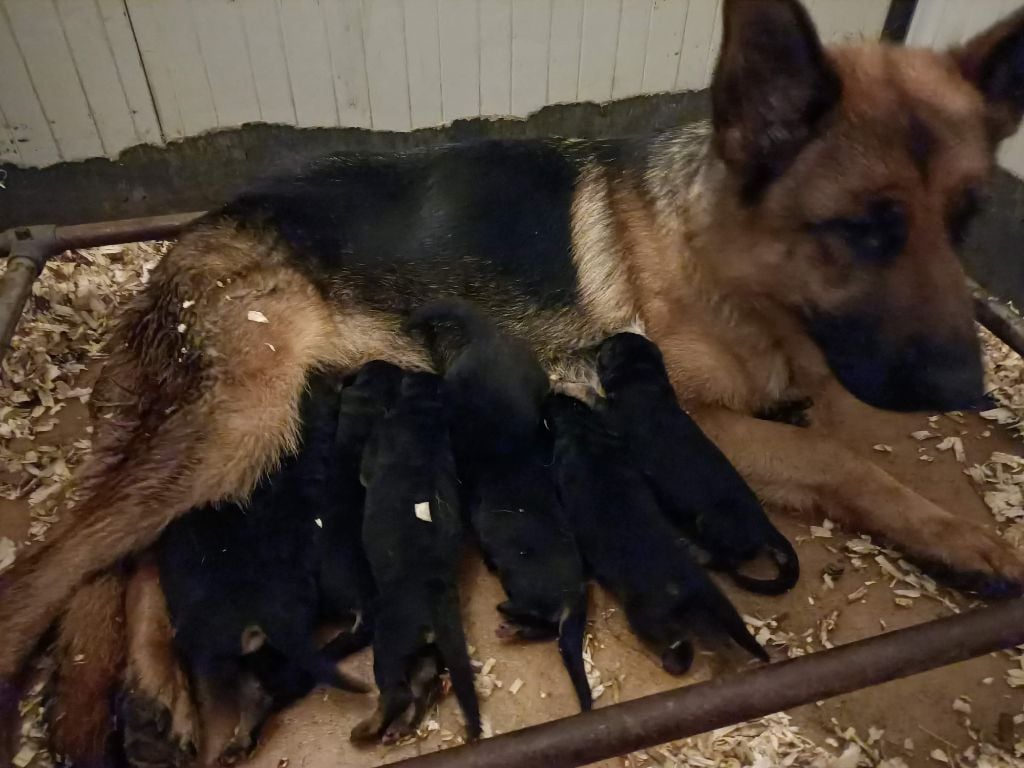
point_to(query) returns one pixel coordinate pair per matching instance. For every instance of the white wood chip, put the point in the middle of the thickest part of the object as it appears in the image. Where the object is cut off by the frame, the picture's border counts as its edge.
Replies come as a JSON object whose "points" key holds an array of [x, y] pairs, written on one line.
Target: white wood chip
{"points": [[516, 685], [25, 756], [923, 434], [422, 510], [187, 303], [256, 316], [939, 755], [882, 448], [960, 704], [7, 551], [319, 522], [956, 445]]}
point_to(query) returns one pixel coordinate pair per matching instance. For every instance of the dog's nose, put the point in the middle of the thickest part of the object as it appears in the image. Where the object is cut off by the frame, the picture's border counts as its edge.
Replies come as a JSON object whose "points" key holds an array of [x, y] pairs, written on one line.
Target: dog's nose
{"points": [[941, 375]]}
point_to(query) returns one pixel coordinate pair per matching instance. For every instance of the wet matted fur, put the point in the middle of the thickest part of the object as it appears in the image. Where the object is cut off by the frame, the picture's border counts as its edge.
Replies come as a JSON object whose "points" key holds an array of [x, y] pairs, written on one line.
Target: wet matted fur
{"points": [[806, 238]]}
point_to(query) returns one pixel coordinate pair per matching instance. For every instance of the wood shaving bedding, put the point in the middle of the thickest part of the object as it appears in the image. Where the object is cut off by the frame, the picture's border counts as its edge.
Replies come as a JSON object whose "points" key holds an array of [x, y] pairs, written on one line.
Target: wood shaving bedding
{"points": [[62, 330]]}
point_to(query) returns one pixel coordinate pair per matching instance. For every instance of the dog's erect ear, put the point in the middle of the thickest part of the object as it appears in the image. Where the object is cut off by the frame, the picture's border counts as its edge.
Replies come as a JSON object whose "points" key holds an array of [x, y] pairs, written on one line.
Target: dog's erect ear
{"points": [[772, 87], [994, 62]]}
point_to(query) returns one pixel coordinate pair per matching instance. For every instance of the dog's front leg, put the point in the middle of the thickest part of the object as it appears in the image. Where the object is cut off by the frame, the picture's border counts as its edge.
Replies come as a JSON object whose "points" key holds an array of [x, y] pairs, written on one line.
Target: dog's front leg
{"points": [[794, 468]]}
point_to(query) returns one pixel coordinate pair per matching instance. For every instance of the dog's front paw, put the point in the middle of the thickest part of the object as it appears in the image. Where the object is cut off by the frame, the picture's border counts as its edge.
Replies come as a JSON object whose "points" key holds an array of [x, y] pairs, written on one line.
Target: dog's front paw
{"points": [[159, 731], [968, 556]]}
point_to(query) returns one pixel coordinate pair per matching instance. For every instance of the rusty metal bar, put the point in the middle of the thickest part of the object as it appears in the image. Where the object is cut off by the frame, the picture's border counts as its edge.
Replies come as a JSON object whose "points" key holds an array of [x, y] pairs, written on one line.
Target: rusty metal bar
{"points": [[693, 709], [28, 248], [998, 317]]}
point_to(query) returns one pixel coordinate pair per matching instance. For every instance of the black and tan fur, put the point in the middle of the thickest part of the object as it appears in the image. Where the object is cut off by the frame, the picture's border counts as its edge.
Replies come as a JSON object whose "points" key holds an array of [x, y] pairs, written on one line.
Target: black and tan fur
{"points": [[830, 184]]}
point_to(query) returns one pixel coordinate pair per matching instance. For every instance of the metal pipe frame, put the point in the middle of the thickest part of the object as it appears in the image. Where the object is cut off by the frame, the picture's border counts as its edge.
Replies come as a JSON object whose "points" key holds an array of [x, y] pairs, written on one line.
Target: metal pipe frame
{"points": [[651, 720], [28, 248], [692, 709]]}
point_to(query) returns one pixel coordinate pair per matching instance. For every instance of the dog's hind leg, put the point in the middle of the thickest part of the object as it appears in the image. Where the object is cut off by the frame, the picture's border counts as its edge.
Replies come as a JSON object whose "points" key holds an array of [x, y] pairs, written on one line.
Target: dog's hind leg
{"points": [[451, 641], [90, 651], [795, 468], [193, 427], [161, 727]]}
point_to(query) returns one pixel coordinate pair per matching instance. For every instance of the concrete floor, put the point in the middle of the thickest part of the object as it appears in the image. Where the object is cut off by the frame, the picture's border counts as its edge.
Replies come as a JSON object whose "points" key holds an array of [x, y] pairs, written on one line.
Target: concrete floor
{"points": [[314, 734]]}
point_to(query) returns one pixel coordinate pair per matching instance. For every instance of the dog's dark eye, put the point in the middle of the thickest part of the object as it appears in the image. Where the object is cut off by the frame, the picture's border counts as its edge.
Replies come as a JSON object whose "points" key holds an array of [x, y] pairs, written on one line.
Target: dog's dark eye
{"points": [[877, 236], [963, 214]]}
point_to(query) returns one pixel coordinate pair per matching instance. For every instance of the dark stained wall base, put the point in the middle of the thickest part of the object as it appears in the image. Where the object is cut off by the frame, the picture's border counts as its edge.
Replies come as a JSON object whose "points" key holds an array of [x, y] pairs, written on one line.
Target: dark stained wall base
{"points": [[202, 172]]}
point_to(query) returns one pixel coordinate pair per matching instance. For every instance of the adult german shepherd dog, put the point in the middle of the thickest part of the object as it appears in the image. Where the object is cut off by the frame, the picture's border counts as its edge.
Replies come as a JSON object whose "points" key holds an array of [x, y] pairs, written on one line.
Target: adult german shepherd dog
{"points": [[806, 237]]}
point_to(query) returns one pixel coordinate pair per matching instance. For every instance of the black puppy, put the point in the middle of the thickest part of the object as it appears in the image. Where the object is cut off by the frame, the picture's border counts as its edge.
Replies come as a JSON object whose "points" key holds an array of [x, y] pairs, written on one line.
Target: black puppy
{"points": [[698, 487], [241, 585], [497, 389], [629, 545], [346, 584], [412, 533]]}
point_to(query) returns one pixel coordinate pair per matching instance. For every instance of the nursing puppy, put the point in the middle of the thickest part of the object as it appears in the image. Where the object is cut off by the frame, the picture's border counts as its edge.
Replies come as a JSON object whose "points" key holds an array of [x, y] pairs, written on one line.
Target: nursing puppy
{"points": [[497, 388], [412, 533], [241, 584], [698, 488], [629, 545], [346, 584]]}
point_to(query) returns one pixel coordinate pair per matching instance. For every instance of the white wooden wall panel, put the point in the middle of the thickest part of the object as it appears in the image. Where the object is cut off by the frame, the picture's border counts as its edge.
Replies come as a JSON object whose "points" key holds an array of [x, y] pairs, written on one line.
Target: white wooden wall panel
{"points": [[225, 55], [564, 51], [308, 54], [531, 27], [348, 62], [631, 48], [423, 57], [92, 77], [384, 44], [23, 113], [131, 77], [946, 23], [664, 45], [174, 65], [8, 146], [97, 70], [44, 49], [495, 57], [459, 39], [264, 43], [600, 33]]}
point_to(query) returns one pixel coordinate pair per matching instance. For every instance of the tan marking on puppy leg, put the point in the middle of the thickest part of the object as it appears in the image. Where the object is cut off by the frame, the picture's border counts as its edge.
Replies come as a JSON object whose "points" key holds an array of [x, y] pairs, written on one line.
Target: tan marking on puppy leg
{"points": [[796, 469], [90, 652]]}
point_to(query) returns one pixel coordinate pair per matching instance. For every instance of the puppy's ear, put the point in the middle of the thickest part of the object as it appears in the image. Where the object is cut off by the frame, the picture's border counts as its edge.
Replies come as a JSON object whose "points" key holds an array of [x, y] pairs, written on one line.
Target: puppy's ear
{"points": [[772, 87], [253, 638], [994, 62]]}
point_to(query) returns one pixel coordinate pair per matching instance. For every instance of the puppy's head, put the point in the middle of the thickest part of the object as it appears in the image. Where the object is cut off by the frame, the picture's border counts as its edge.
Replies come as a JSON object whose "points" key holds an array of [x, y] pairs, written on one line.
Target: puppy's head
{"points": [[628, 357], [377, 380], [852, 174]]}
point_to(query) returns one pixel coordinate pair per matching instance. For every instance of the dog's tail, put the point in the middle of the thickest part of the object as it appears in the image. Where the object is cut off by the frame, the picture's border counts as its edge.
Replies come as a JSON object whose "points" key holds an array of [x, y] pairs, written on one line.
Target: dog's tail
{"points": [[570, 645], [787, 563], [472, 324], [451, 641], [724, 613], [90, 652]]}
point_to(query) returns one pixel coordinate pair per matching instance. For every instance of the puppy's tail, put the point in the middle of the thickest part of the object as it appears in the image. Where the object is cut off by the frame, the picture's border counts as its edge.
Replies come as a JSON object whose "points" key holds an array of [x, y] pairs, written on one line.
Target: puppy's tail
{"points": [[451, 641], [787, 562], [717, 605], [472, 324], [570, 644]]}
